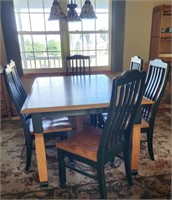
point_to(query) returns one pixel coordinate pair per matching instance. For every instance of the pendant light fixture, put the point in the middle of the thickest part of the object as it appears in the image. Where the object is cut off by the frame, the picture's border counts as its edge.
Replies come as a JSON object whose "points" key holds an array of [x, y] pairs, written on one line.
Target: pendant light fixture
{"points": [[87, 11], [56, 12], [72, 15]]}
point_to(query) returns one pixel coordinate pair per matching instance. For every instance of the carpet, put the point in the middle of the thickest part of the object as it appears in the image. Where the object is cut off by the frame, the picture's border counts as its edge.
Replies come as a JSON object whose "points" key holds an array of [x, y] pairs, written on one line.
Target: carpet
{"points": [[152, 182]]}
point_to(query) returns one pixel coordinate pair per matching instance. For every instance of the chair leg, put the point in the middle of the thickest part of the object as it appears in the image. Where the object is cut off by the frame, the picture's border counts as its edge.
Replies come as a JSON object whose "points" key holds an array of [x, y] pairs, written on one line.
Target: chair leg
{"points": [[127, 161], [150, 143], [101, 181], [112, 162], [24, 146], [101, 122], [64, 136], [72, 162], [29, 145], [93, 119], [62, 168]]}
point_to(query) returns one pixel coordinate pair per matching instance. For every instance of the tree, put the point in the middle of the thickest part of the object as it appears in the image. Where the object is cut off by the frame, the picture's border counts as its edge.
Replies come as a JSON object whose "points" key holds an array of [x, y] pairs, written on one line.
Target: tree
{"points": [[54, 47], [37, 47], [28, 47]]}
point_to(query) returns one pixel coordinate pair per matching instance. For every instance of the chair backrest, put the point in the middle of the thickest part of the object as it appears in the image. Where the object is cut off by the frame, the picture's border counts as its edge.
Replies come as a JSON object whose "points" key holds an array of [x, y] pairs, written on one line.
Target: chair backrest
{"points": [[156, 81], [78, 65], [17, 79], [127, 93], [15, 88], [136, 63]]}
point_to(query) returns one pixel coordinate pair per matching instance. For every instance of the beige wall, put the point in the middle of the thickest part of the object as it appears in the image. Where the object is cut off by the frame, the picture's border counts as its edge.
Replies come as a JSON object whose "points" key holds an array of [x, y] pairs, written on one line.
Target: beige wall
{"points": [[138, 19]]}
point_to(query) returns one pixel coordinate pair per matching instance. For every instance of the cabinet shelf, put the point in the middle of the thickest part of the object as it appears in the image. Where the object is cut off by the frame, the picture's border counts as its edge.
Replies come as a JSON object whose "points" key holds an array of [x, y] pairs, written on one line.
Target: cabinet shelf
{"points": [[165, 53], [165, 59], [166, 35]]}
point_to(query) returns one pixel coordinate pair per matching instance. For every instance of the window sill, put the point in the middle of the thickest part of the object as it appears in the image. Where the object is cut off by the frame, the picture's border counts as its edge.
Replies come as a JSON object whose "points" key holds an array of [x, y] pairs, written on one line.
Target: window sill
{"points": [[43, 74]]}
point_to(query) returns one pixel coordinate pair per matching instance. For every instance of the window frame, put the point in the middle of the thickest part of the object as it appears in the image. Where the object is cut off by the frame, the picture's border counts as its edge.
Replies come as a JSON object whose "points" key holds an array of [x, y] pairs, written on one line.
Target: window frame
{"points": [[65, 48], [12, 46]]}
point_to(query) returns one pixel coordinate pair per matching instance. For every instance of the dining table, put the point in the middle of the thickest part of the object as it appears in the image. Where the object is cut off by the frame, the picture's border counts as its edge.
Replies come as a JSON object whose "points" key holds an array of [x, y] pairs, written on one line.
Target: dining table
{"points": [[72, 96]]}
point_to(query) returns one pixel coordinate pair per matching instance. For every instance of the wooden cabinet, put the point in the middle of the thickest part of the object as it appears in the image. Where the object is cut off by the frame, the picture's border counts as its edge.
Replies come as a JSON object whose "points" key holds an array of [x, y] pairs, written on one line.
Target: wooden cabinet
{"points": [[5, 102], [8, 111], [161, 35], [160, 43]]}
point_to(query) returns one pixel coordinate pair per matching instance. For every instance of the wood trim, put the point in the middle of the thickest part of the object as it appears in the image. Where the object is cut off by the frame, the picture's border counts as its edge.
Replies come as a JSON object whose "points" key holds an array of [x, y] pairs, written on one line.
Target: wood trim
{"points": [[144, 124]]}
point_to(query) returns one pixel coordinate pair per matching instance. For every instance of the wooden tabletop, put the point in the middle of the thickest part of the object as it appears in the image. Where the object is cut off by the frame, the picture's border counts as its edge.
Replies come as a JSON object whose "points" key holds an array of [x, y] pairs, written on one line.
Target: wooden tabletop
{"points": [[66, 93], [63, 93]]}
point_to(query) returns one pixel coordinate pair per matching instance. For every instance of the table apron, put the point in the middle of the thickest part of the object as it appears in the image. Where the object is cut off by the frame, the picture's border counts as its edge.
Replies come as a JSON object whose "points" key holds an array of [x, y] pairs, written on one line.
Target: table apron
{"points": [[37, 117], [80, 112]]}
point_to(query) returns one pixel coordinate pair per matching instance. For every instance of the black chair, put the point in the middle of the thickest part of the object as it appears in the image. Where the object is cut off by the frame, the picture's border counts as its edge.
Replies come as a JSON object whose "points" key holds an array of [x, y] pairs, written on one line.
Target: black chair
{"points": [[18, 80], [100, 119], [136, 63], [52, 125], [156, 81], [95, 146], [78, 65]]}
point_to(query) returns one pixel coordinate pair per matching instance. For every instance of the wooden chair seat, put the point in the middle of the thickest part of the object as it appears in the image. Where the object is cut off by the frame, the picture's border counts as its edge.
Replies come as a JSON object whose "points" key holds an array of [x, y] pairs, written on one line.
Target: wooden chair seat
{"points": [[144, 124], [83, 144], [53, 124]]}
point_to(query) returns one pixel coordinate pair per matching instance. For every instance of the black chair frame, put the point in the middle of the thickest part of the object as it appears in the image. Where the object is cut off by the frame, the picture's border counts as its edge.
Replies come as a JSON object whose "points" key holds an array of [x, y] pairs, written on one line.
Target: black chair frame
{"points": [[136, 63], [156, 81], [127, 93], [78, 65], [15, 91]]}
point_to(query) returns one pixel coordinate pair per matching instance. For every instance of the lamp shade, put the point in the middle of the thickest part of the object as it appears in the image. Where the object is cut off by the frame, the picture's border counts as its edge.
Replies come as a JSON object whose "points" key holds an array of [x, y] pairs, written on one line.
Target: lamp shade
{"points": [[72, 15], [56, 12], [87, 11]]}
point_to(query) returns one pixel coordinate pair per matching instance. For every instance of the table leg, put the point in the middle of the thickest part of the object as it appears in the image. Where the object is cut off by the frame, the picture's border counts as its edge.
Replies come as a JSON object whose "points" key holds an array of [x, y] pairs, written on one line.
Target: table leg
{"points": [[41, 159], [79, 123], [135, 149]]}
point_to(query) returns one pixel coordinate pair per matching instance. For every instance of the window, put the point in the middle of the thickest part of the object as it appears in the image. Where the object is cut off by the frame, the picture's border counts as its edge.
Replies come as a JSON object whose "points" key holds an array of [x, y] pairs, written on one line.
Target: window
{"points": [[45, 44]]}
